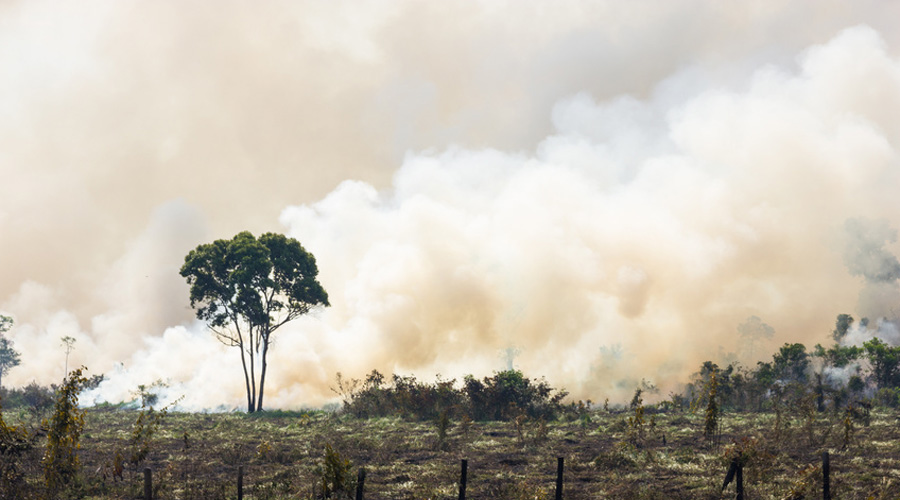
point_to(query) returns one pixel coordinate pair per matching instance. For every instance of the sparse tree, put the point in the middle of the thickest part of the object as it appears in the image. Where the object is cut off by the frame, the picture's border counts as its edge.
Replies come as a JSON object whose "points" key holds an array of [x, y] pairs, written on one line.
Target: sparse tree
{"points": [[9, 357], [245, 289], [69, 343]]}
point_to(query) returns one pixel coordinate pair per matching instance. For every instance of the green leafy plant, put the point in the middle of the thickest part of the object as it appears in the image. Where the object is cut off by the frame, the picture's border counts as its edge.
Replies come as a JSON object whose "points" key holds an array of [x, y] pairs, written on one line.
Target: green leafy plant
{"points": [[443, 425], [336, 474], [9, 357], [60, 463], [635, 423]]}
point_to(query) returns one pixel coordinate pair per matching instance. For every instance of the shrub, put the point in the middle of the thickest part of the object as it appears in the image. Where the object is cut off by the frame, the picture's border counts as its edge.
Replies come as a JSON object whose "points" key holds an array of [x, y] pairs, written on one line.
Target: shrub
{"points": [[504, 396], [509, 393], [635, 429], [63, 434], [336, 474], [37, 400], [15, 441]]}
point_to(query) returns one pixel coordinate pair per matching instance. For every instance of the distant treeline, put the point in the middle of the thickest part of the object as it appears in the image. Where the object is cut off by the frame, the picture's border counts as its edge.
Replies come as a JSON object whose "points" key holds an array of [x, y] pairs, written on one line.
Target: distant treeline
{"points": [[36, 399], [837, 378], [832, 377]]}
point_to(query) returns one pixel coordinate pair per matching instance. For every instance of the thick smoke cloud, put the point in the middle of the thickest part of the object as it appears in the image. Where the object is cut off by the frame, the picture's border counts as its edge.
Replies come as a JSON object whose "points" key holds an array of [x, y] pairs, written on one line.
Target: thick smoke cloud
{"points": [[604, 185], [866, 254]]}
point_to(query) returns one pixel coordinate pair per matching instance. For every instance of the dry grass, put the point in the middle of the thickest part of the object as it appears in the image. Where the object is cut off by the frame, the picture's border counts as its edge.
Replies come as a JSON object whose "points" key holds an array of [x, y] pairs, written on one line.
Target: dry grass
{"points": [[196, 456]]}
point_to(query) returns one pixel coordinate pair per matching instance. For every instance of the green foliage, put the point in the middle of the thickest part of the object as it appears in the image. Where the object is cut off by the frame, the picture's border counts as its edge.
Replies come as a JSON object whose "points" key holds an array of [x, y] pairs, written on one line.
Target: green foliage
{"points": [[848, 427], [245, 289], [9, 357], [885, 362], [38, 400], [635, 423], [791, 362], [64, 430], [888, 397], [35, 399], [404, 395], [508, 393], [504, 396], [336, 474], [837, 355], [841, 327]]}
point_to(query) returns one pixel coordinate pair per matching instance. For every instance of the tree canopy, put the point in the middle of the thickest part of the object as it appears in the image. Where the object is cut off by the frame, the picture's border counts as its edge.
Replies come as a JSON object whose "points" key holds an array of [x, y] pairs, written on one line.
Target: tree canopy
{"points": [[246, 288], [9, 357]]}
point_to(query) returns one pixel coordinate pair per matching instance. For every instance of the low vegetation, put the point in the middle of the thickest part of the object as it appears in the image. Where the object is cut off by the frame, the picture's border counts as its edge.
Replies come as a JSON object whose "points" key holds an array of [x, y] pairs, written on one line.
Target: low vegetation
{"points": [[317, 454], [775, 420]]}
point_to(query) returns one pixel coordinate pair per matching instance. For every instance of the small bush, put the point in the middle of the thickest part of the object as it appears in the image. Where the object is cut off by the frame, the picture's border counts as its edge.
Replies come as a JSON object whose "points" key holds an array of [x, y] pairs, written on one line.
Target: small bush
{"points": [[63, 434], [15, 441], [336, 475]]}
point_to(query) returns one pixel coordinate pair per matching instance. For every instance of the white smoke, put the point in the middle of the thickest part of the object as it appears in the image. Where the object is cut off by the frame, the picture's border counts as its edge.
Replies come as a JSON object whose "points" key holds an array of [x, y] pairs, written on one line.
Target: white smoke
{"points": [[560, 180], [725, 205]]}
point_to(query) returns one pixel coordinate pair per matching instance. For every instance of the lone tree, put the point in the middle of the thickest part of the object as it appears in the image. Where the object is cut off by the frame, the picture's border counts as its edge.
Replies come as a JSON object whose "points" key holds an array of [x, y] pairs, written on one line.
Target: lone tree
{"points": [[9, 357], [245, 289]]}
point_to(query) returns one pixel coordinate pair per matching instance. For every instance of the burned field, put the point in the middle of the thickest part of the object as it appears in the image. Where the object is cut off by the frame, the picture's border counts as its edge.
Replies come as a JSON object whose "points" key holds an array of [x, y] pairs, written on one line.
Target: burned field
{"points": [[608, 454]]}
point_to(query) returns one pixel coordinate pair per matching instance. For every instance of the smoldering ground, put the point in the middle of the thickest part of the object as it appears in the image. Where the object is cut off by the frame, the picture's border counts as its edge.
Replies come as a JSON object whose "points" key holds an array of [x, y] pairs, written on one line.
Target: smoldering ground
{"points": [[575, 180]]}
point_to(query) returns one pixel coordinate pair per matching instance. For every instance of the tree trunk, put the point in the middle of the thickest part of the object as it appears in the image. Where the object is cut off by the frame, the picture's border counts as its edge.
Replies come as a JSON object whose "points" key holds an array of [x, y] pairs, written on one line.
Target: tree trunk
{"points": [[252, 373], [246, 378], [262, 373]]}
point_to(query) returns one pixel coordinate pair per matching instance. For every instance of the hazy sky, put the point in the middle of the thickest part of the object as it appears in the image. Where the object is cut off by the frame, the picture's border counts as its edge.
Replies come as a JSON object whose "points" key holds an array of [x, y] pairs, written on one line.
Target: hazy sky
{"points": [[611, 187]]}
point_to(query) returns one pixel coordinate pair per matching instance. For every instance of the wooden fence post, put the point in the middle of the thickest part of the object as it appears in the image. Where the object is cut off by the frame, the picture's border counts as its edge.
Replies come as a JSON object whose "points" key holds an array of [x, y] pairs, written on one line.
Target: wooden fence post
{"points": [[826, 479], [736, 474], [462, 479], [240, 482], [360, 483], [559, 478], [148, 484]]}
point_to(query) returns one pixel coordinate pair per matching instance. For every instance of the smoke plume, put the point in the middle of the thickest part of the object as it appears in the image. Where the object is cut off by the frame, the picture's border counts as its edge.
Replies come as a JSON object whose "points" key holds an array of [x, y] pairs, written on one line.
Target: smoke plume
{"points": [[612, 188]]}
